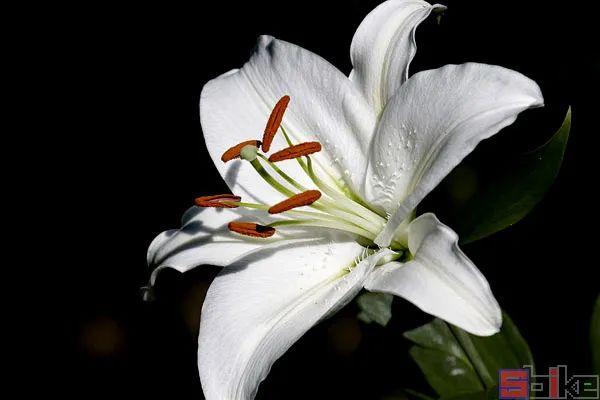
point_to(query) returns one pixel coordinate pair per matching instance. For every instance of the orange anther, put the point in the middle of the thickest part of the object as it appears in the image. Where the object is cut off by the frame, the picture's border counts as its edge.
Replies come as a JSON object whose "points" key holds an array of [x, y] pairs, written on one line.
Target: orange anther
{"points": [[218, 200], [299, 200], [274, 122], [234, 152], [251, 229], [299, 150]]}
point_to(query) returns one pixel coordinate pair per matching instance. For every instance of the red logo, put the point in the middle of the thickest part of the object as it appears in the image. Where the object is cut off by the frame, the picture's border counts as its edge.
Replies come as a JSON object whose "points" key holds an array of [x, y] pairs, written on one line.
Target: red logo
{"points": [[521, 384], [514, 384]]}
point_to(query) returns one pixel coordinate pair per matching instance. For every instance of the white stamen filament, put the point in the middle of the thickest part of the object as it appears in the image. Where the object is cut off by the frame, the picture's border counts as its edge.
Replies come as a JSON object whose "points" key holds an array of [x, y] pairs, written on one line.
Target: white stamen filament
{"points": [[327, 224], [356, 207], [336, 211], [325, 205], [345, 201]]}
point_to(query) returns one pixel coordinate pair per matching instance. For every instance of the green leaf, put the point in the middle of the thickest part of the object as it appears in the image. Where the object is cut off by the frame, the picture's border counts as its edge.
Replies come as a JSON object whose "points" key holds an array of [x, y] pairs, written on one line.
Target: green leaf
{"points": [[513, 194], [375, 307], [456, 363], [595, 335]]}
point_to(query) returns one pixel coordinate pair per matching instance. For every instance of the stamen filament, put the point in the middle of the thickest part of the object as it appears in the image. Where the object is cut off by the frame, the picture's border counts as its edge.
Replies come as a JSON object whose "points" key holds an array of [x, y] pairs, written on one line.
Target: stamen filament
{"points": [[375, 223], [270, 180], [298, 186], [312, 215], [356, 208], [289, 142], [252, 205], [355, 219], [342, 217], [327, 224], [328, 217], [286, 192], [337, 211], [285, 176], [308, 169], [300, 213]]}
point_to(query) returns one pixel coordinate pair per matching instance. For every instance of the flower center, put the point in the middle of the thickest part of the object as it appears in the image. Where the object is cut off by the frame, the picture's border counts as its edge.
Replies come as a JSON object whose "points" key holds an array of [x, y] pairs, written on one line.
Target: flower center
{"points": [[333, 205]]}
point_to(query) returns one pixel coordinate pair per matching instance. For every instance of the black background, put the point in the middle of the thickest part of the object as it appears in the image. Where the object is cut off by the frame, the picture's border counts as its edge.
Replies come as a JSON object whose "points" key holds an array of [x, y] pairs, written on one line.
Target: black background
{"points": [[128, 158]]}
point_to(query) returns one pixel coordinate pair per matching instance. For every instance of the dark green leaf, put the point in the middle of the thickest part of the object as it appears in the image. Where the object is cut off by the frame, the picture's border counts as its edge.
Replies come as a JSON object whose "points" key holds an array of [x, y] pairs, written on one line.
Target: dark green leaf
{"points": [[456, 363], [513, 194], [418, 395], [446, 374], [595, 335], [375, 307]]}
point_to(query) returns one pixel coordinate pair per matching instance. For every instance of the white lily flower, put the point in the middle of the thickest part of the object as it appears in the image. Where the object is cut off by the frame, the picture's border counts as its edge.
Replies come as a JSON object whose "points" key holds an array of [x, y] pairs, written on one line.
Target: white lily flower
{"points": [[367, 150]]}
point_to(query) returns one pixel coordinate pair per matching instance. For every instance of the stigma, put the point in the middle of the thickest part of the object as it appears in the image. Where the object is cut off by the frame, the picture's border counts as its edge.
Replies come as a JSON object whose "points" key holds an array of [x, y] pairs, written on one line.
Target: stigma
{"points": [[234, 152]]}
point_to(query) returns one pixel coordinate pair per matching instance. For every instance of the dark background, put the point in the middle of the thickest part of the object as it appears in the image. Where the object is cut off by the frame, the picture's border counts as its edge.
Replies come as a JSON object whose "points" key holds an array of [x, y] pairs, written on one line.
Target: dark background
{"points": [[128, 158]]}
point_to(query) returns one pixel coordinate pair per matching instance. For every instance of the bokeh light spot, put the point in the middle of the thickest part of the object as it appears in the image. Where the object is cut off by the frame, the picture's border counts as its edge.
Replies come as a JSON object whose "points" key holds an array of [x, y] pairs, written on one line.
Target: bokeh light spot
{"points": [[462, 184], [344, 335], [102, 337]]}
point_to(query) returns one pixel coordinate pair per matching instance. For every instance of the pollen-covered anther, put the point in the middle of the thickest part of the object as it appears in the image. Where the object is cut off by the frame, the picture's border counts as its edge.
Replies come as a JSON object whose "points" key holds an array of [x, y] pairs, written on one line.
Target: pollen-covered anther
{"points": [[299, 150], [218, 201], [234, 152], [251, 229], [274, 122], [299, 200]]}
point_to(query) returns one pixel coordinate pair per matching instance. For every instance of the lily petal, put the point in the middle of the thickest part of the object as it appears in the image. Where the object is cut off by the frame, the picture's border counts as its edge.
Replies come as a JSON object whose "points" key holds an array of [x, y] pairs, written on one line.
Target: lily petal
{"points": [[203, 239], [258, 307], [325, 106], [383, 47], [440, 279], [433, 121]]}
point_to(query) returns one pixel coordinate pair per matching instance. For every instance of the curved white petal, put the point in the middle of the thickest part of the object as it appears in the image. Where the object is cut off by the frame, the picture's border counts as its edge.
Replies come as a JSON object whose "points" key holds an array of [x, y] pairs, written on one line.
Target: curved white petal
{"points": [[440, 280], [258, 307], [436, 119], [204, 239], [383, 47], [325, 106]]}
